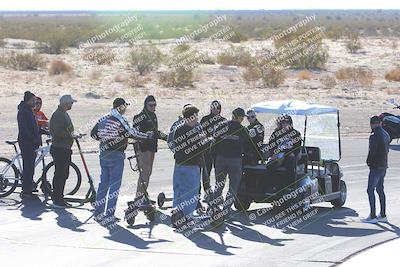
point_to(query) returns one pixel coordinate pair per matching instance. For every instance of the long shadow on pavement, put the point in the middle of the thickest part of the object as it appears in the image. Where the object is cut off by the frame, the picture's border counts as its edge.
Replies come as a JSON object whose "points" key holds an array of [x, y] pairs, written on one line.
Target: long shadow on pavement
{"points": [[33, 208], [67, 220], [321, 221], [122, 235]]}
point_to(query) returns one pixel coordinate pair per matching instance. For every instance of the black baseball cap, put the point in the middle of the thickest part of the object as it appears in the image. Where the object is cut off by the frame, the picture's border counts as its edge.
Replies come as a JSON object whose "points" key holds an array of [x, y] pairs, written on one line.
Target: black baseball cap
{"points": [[119, 102], [375, 120], [239, 112]]}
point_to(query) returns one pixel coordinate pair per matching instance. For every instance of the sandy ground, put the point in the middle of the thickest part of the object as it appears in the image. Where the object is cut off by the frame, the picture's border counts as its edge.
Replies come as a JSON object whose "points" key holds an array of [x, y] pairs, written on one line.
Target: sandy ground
{"points": [[95, 95]]}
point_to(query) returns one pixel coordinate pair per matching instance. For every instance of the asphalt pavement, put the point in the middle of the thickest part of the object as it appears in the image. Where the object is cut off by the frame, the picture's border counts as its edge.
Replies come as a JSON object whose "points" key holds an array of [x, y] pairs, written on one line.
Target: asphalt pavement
{"points": [[32, 233]]}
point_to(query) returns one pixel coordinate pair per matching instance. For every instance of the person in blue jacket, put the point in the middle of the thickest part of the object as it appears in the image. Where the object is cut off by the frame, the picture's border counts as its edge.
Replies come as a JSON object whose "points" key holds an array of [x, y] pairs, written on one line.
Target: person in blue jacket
{"points": [[29, 141]]}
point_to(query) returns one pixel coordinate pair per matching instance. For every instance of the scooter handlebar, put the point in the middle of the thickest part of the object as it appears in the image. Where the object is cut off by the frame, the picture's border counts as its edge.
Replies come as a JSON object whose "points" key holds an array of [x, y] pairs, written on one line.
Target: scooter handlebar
{"points": [[79, 136]]}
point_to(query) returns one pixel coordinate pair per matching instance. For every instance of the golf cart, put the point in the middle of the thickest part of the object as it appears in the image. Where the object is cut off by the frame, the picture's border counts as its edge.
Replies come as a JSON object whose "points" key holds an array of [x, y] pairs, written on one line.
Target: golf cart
{"points": [[317, 176]]}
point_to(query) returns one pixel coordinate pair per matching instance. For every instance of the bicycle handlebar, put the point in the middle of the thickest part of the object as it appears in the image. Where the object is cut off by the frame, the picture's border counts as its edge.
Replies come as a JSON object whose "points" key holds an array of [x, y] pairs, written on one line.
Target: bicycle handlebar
{"points": [[79, 136]]}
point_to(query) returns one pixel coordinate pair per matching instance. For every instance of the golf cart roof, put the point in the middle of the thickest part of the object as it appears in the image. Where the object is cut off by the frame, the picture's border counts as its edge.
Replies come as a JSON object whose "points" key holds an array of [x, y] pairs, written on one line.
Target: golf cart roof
{"points": [[292, 107]]}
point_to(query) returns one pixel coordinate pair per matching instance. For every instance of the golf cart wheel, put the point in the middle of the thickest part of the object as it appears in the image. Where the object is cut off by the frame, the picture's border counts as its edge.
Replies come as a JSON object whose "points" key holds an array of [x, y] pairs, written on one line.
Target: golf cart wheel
{"points": [[242, 204], [9, 179], [339, 202], [161, 199]]}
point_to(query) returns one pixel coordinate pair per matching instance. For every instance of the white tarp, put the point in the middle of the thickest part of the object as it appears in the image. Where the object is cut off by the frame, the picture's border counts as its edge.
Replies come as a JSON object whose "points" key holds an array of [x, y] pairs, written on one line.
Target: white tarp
{"points": [[292, 107]]}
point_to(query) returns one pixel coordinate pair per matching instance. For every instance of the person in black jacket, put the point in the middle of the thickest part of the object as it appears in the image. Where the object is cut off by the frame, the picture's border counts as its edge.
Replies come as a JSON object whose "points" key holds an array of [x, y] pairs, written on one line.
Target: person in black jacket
{"points": [[230, 139], [256, 131], [208, 124], [189, 144], [146, 122], [29, 141], [377, 161]]}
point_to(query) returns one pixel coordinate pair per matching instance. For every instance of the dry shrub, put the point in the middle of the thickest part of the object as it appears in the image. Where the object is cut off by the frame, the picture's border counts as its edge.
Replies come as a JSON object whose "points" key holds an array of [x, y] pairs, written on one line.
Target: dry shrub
{"points": [[235, 57], [178, 77], [23, 61], [361, 76], [238, 37], [295, 53], [54, 43], [353, 43], [145, 59], [135, 80], [304, 75], [392, 91], [393, 75], [328, 81], [59, 67], [251, 74], [100, 56], [272, 77]]}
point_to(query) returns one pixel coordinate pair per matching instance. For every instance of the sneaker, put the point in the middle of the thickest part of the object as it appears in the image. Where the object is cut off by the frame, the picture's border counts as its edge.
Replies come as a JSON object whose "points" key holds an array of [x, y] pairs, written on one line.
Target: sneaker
{"points": [[370, 220], [382, 219]]}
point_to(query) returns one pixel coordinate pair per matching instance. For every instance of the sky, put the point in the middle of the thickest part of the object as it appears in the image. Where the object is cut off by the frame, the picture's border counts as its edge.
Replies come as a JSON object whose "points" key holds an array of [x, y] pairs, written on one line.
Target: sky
{"points": [[194, 4]]}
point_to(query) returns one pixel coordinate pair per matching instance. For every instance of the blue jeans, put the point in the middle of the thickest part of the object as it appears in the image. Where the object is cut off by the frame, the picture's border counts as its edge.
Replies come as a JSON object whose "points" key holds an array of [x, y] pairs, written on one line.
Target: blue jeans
{"points": [[112, 168], [375, 181], [186, 183]]}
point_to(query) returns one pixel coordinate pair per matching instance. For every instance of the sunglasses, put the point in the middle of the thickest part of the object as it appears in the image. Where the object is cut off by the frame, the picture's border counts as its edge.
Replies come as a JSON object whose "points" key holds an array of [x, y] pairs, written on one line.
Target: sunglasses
{"points": [[152, 105], [251, 117]]}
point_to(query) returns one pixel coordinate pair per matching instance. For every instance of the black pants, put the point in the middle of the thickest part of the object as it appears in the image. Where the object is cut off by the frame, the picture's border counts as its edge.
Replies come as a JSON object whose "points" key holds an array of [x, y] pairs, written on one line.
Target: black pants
{"points": [[206, 170], [28, 162], [62, 160]]}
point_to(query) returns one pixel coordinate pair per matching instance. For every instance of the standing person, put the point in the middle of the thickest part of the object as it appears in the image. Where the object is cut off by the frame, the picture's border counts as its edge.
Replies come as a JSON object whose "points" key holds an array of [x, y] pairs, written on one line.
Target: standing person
{"points": [[41, 118], [230, 138], [113, 132], [377, 161], [256, 132], [146, 122], [61, 131], [208, 124], [189, 143], [29, 141]]}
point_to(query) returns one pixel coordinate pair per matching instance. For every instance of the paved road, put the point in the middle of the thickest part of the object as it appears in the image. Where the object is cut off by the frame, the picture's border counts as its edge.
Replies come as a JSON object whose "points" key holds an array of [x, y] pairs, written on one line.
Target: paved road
{"points": [[32, 233]]}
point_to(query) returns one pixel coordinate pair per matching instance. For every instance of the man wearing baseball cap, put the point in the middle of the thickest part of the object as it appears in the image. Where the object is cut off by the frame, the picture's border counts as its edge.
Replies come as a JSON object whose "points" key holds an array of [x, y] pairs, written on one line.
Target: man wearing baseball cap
{"points": [[61, 131], [230, 138], [112, 131]]}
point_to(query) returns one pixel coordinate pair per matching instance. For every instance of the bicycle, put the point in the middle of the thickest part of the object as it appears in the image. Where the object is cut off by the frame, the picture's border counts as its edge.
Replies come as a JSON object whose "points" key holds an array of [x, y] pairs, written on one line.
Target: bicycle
{"points": [[11, 172]]}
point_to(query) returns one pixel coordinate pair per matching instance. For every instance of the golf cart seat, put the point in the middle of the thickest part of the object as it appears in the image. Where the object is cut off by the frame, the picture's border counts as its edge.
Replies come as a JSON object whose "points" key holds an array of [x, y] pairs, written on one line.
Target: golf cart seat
{"points": [[313, 156]]}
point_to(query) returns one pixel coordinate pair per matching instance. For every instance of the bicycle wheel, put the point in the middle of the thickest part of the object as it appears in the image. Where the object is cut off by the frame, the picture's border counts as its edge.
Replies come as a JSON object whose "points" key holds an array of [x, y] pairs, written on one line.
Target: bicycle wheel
{"points": [[72, 184], [8, 177]]}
